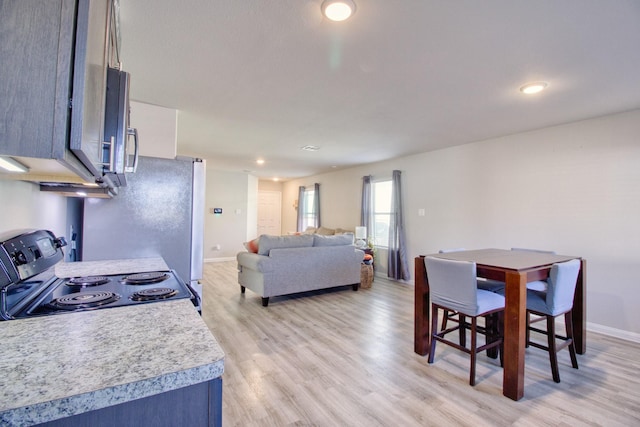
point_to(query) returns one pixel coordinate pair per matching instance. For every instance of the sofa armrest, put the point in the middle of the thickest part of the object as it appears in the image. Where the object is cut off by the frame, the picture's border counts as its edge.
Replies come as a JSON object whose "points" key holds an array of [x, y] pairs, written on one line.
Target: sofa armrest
{"points": [[255, 262]]}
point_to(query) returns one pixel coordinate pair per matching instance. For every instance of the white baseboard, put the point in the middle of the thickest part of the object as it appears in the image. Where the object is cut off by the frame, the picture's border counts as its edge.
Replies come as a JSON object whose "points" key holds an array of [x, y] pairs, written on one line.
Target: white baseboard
{"points": [[605, 330], [222, 259], [613, 332]]}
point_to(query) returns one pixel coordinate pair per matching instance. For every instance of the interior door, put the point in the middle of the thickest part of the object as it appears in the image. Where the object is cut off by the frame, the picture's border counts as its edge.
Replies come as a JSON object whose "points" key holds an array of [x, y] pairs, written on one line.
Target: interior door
{"points": [[269, 212]]}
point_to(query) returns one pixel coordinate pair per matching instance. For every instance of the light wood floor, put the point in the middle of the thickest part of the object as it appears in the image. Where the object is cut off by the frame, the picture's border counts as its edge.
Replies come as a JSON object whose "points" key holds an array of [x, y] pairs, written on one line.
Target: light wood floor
{"points": [[345, 358]]}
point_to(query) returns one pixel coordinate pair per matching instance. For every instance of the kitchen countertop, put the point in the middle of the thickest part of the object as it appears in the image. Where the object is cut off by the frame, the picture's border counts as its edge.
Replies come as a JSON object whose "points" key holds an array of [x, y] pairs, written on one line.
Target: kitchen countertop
{"points": [[57, 366], [67, 270]]}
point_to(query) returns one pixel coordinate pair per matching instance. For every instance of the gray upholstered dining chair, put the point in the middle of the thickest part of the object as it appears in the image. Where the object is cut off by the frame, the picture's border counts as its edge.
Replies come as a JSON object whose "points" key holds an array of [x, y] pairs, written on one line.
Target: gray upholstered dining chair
{"points": [[453, 287], [485, 284], [556, 301], [536, 285]]}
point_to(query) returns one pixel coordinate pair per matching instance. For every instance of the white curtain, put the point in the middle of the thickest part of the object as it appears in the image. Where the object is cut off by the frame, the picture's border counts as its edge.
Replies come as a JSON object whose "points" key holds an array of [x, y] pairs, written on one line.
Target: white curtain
{"points": [[398, 266]]}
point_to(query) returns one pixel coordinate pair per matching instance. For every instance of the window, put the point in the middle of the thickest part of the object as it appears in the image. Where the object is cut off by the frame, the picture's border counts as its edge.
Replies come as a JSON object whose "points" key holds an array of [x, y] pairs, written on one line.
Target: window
{"points": [[309, 214], [381, 213]]}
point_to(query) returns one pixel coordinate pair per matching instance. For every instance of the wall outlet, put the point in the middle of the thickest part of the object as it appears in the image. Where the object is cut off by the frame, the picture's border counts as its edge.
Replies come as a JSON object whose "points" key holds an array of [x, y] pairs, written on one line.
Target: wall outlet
{"points": [[217, 247]]}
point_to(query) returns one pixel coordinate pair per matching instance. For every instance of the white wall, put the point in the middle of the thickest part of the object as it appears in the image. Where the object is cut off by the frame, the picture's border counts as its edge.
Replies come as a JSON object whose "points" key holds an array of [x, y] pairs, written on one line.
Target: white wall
{"points": [[252, 208], [157, 129], [24, 206], [229, 191], [573, 188]]}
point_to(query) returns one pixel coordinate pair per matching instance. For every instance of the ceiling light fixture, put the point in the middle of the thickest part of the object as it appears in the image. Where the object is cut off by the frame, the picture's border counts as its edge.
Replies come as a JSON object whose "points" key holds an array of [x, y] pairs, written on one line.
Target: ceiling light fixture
{"points": [[310, 148], [338, 10], [11, 165], [260, 161], [535, 87]]}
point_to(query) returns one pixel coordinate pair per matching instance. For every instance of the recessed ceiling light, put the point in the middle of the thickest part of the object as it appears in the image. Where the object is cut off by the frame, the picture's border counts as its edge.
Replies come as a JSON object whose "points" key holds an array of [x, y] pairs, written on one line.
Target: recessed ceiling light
{"points": [[338, 10], [260, 161], [276, 179], [535, 87], [310, 148]]}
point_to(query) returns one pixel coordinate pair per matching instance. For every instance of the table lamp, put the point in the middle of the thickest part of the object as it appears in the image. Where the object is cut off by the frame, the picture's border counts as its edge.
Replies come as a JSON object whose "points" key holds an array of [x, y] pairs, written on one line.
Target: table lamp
{"points": [[361, 235]]}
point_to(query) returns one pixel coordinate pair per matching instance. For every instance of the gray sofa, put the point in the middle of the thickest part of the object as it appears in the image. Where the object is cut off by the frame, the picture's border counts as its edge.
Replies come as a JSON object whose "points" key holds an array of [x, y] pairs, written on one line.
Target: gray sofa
{"points": [[291, 264]]}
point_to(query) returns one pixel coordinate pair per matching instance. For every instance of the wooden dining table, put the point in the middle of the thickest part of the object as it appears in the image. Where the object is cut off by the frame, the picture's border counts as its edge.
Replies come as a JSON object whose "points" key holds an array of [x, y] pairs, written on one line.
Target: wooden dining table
{"points": [[515, 268]]}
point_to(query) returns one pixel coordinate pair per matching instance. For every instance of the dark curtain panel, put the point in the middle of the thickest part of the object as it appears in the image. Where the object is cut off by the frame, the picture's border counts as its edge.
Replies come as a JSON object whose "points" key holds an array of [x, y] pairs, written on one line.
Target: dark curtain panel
{"points": [[398, 266], [316, 205], [366, 210], [300, 208]]}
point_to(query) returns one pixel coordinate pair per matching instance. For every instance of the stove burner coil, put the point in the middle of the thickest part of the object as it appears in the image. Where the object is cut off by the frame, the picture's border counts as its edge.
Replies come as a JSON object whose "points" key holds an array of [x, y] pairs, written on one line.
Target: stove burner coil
{"points": [[145, 278], [83, 300], [153, 294], [88, 281]]}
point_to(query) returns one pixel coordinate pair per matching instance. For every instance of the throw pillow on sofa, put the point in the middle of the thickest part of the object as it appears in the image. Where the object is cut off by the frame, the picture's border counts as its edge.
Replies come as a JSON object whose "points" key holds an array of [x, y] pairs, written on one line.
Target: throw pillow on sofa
{"points": [[343, 231], [251, 246], [326, 231]]}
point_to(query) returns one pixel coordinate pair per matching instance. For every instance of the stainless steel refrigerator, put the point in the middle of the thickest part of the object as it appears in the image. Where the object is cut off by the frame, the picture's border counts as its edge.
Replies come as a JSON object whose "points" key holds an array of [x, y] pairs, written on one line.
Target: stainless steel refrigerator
{"points": [[159, 213]]}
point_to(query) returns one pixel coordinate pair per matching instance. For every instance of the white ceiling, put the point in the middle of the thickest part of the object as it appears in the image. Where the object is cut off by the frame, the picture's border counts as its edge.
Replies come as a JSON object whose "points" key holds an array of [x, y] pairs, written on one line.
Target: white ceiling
{"points": [[262, 78]]}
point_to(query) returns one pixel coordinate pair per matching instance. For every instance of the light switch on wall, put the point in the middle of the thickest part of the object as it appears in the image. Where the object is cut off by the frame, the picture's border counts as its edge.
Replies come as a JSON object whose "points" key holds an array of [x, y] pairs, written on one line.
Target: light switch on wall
{"points": [[420, 212]]}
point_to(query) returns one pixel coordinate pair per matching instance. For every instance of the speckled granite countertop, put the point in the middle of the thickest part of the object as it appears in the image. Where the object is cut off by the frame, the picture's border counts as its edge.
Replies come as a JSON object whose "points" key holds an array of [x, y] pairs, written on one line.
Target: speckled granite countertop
{"points": [[113, 266], [57, 366]]}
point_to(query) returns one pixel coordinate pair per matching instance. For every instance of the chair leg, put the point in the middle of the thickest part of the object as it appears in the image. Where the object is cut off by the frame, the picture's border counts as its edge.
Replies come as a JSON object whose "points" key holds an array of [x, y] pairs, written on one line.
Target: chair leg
{"points": [[572, 348], [500, 329], [463, 329], [528, 332], [553, 353], [474, 346], [445, 317], [491, 334], [434, 331]]}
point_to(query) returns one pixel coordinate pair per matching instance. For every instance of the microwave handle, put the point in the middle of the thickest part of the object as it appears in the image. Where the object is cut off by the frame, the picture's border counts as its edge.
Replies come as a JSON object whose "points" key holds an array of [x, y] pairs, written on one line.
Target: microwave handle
{"points": [[109, 145], [134, 132]]}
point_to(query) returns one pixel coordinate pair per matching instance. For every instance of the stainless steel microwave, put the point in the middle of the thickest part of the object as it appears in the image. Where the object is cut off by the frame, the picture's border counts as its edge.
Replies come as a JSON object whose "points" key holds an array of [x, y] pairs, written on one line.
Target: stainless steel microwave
{"points": [[119, 157]]}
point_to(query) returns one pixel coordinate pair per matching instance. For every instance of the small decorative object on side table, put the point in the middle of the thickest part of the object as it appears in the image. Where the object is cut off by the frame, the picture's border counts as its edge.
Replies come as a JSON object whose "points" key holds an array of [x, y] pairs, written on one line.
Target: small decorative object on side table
{"points": [[371, 255]]}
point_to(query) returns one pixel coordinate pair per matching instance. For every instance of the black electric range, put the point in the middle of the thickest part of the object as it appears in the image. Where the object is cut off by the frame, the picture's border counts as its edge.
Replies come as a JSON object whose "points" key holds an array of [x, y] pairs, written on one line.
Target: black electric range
{"points": [[29, 286]]}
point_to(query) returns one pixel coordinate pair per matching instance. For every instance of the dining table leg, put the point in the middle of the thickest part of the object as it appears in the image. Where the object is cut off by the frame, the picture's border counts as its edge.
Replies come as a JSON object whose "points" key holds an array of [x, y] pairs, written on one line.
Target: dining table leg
{"points": [[422, 333], [514, 334], [579, 311]]}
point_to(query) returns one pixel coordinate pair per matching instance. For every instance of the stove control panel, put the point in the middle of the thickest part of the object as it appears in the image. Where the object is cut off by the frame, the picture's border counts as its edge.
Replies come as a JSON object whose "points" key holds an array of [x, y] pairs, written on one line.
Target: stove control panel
{"points": [[28, 253]]}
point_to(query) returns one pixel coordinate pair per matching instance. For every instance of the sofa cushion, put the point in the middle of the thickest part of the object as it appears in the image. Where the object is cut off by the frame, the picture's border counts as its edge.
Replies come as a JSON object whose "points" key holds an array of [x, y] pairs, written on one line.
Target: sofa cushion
{"points": [[266, 242], [339, 240]]}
